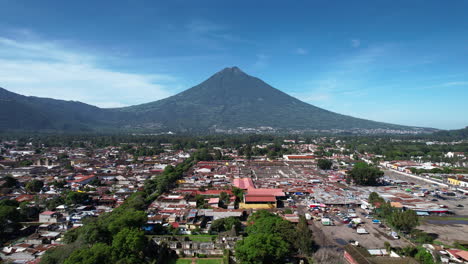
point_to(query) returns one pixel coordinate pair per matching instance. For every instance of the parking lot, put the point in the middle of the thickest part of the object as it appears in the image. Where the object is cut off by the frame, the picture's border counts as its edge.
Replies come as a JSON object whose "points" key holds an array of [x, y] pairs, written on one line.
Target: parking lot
{"points": [[451, 202], [340, 234], [375, 238]]}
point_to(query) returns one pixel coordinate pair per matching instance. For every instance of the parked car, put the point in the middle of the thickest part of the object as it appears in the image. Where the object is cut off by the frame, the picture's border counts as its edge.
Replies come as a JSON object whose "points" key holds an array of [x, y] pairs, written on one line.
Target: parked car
{"points": [[460, 205], [395, 235]]}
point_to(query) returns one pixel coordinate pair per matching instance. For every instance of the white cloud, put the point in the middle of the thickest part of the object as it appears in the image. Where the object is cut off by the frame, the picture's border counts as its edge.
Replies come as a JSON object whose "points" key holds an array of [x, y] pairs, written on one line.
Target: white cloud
{"points": [[346, 77], [209, 34], [261, 62], [203, 26], [355, 43], [301, 51], [449, 84], [47, 69]]}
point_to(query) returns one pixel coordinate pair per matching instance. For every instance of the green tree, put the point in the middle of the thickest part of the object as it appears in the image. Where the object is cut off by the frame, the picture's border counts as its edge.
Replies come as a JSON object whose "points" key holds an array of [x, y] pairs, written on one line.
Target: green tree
{"points": [[264, 222], [248, 152], [10, 181], [271, 155], [9, 220], [375, 198], [76, 198], [53, 202], [25, 163], [364, 174], [304, 241], [128, 218], [387, 246], [239, 193], [224, 199], [29, 211], [98, 253], [324, 164], [218, 154], [128, 245], [424, 257], [404, 221], [226, 224], [201, 201], [34, 186], [202, 155], [262, 248]]}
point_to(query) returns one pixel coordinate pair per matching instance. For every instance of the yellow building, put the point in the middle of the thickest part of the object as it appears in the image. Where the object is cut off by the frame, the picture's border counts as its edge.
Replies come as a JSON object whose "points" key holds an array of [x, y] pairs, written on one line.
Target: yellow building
{"points": [[454, 181]]}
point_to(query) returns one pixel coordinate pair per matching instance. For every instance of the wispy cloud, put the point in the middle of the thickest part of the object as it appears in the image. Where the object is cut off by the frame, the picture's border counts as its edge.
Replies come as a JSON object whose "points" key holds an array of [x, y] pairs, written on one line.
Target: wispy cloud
{"points": [[49, 69], [344, 77], [212, 34], [301, 51], [450, 84], [355, 43], [262, 61], [203, 26]]}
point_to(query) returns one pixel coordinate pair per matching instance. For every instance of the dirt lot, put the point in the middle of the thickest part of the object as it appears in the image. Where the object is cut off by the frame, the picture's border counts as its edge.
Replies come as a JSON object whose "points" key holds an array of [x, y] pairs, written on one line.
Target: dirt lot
{"points": [[376, 238], [450, 201], [447, 233]]}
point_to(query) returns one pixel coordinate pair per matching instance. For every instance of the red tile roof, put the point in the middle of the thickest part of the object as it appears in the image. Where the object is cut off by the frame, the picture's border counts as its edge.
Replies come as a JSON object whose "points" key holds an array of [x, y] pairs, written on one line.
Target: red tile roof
{"points": [[214, 192], [244, 183], [213, 201], [252, 199], [48, 213], [265, 192]]}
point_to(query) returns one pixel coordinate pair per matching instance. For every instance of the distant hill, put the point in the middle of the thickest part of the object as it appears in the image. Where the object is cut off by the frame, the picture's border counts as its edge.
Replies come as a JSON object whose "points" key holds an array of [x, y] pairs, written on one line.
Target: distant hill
{"points": [[31, 113], [228, 101], [452, 134], [231, 99]]}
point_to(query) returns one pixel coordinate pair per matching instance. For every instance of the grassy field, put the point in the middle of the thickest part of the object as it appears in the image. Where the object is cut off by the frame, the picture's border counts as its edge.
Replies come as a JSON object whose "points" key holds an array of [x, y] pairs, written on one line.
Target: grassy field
{"points": [[184, 261], [209, 261], [201, 238], [444, 218], [200, 261]]}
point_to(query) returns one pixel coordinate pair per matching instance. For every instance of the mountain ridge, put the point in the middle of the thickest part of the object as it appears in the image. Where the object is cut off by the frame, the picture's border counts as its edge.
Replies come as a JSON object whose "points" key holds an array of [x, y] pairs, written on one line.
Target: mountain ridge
{"points": [[229, 100]]}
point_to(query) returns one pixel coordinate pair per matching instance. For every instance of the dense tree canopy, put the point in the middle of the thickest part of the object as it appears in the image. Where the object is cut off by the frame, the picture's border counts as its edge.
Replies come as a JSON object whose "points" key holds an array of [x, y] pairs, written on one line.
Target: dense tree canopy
{"points": [[271, 239], [262, 248], [404, 220], [34, 186], [324, 164], [9, 219], [10, 181], [226, 224], [375, 198], [76, 198], [365, 174]]}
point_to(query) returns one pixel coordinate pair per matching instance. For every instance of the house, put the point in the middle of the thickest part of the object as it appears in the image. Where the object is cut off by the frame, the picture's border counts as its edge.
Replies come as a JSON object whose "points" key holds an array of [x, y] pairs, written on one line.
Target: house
{"points": [[183, 246], [82, 180], [457, 255], [244, 183], [299, 157], [458, 180], [213, 202], [454, 155], [359, 255], [261, 198], [50, 217]]}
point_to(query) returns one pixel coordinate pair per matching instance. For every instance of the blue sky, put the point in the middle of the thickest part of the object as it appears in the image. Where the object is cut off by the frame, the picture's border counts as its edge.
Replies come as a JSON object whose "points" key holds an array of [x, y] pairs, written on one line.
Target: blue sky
{"points": [[403, 62]]}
